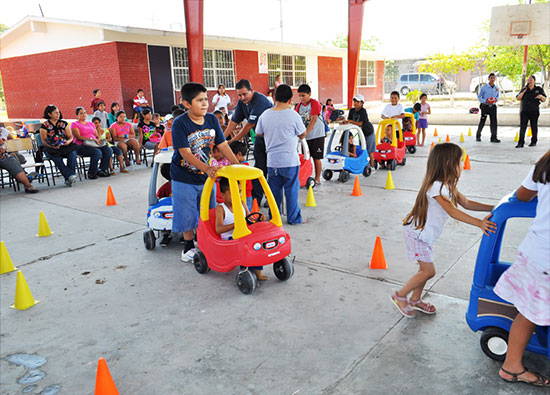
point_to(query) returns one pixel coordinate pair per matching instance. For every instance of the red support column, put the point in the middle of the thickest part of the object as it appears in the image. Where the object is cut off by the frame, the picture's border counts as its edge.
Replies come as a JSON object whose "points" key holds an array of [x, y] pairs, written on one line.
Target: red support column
{"points": [[194, 35], [355, 28]]}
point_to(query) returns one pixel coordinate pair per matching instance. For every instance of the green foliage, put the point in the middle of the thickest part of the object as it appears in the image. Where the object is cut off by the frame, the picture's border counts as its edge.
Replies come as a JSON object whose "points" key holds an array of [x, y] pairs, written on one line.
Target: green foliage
{"points": [[414, 96], [3, 27], [447, 65], [341, 41]]}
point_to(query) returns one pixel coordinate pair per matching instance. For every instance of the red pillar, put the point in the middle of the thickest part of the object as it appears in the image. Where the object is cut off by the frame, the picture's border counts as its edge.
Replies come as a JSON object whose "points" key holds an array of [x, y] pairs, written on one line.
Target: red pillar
{"points": [[194, 35], [355, 28]]}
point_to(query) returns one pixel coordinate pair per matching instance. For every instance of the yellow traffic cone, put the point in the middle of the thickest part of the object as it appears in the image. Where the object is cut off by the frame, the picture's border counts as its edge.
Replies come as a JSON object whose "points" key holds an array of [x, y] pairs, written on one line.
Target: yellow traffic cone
{"points": [[23, 295], [529, 132], [439, 140], [389, 181], [310, 201], [43, 227], [470, 132], [461, 137], [6, 265], [516, 139], [463, 154]]}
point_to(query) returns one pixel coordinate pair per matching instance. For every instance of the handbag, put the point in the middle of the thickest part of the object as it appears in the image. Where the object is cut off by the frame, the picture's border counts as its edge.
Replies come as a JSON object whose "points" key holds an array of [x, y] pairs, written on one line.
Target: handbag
{"points": [[62, 151], [92, 143]]}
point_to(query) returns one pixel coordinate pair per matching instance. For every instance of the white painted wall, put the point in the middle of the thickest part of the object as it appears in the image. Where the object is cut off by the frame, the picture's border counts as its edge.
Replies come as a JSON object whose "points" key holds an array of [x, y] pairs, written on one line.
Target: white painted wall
{"points": [[312, 68]]}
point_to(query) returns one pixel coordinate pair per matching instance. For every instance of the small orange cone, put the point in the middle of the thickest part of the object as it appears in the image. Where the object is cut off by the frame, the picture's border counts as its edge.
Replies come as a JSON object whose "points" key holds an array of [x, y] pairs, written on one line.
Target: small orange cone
{"points": [[104, 384], [378, 261], [432, 146], [435, 132], [356, 188], [110, 197], [255, 206], [467, 163], [448, 139]]}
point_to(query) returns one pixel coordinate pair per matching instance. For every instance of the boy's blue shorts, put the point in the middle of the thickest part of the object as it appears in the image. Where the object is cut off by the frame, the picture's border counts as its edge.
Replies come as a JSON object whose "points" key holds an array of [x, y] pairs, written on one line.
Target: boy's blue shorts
{"points": [[186, 199]]}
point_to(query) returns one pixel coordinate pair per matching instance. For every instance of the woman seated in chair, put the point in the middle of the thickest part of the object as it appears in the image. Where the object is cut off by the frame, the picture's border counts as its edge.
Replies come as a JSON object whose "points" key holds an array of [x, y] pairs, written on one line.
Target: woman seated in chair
{"points": [[12, 166], [90, 144], [124, 137], [57, 141]]}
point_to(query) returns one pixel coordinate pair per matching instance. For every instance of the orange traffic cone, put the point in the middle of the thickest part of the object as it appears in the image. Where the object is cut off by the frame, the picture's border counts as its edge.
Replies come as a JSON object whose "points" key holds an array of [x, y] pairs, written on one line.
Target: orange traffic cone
{"points": [[467, 163], [435, 132], [255, 206], [110, 197], [448, 139], [356, 188], [432, 146], [378, 261], [104, 384]]}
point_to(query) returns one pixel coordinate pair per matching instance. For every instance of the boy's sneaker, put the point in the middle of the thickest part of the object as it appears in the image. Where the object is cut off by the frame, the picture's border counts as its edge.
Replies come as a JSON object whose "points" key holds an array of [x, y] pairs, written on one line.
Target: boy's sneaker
{"points": [[166, 239], [189, 255]]}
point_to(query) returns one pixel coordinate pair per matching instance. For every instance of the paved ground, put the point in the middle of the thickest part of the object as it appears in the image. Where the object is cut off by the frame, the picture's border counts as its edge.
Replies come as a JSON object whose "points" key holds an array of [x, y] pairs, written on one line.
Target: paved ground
{"points": [[165, 329]]}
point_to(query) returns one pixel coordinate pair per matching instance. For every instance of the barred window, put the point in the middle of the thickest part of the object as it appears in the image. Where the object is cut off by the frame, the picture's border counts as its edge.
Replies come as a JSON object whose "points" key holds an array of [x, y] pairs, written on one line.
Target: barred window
{"points": [[367, 73], [218, 68], [291, 68]]}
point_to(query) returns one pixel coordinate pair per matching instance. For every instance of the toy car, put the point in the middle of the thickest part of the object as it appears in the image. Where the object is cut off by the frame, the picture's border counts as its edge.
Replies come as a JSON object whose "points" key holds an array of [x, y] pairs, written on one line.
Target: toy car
{"points": [[254, 243], [160, 212], [306, 167], [338, 160], [486, 311], [388, 154], [410, 137]]}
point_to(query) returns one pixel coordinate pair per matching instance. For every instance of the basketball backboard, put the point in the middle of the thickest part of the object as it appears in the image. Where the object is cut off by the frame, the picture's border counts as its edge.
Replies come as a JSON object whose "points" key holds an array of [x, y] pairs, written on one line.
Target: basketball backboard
{"points": [[526, 24]]}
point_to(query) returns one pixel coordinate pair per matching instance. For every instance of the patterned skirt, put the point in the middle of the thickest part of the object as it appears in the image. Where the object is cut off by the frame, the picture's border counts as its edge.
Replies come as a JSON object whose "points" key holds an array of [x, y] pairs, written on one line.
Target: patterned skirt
{"points": [[417, 250]]}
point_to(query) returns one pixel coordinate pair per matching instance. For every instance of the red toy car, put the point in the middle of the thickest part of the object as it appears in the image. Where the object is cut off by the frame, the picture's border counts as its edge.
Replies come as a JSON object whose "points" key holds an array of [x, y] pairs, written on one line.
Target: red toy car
{"points": [[306, 167], [410, 136], [389, 154], [254, 243]]}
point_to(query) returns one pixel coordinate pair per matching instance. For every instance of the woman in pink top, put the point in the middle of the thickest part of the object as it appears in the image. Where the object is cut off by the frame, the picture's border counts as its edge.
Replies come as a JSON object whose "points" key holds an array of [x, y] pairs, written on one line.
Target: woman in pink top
{"points": [[85, 133], [125, 137]]}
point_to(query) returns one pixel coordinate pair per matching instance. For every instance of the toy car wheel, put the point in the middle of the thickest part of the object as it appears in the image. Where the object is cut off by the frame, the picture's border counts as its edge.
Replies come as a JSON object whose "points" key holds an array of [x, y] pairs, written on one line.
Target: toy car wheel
{"points": [[199, 261], [494, 343], [403, 162], [375, 164], [367, 171], [310, 182], [283, 269], [149, 239], [344, 176], [246, 281], [411, 149], [392, 164], [327, 174]]}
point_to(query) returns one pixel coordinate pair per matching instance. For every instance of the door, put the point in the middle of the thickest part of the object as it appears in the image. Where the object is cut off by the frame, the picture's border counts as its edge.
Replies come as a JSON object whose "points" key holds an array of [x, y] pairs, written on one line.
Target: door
{"points": [[161, 78]]}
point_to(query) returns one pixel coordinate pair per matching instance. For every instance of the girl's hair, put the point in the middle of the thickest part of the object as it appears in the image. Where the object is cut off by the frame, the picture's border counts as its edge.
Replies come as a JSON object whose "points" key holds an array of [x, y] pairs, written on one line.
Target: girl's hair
{"points": [[542, 169], [143, 113], [423, 95], [219, 87], [78, 109], [113, 104], [156, 115], [443, 165], [48, 110], [329, 99], [119, 113], [342, 138]]}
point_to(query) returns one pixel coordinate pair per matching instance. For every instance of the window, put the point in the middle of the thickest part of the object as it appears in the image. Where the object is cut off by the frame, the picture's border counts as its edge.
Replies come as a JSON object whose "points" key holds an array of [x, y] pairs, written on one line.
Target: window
{"points": [[413, 78], [367, 76], [217, 68], [427, 78], [180, 67], [292, 69], [404, 78]]}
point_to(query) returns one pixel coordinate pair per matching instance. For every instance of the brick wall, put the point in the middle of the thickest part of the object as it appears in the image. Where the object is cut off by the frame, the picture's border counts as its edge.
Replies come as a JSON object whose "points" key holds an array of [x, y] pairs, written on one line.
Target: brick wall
{"points": [[134, 72], [65, 78], [377, 92], [246, 66], [330, 79]]}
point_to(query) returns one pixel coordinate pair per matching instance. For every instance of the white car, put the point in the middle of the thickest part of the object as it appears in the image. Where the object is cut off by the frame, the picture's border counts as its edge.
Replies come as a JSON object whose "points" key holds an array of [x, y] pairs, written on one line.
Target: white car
{"points": [[502, 81]]}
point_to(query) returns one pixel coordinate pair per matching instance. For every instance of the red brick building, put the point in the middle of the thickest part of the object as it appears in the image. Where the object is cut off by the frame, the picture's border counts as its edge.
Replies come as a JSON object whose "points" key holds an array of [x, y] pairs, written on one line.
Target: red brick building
{"points": [[47, 61]]}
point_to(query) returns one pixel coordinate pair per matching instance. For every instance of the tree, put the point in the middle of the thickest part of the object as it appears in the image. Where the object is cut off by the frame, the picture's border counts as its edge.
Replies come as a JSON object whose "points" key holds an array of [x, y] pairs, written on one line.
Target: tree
{"points": [[341, 41], [540, 55]]}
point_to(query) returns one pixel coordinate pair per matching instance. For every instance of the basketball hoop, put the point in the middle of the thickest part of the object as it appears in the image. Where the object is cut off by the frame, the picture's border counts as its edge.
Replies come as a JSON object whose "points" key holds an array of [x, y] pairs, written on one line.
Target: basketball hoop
{"points": [[520, 29]]}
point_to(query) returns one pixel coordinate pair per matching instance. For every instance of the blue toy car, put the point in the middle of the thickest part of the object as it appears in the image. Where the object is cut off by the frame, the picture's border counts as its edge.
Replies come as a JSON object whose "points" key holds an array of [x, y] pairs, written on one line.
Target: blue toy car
{"points": [[486, 311], [160, 212], [339, 160]]}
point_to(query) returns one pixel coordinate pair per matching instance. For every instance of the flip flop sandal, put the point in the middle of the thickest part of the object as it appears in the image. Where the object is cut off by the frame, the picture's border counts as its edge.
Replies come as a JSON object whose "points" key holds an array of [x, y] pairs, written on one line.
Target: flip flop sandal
{"points": [[406, 311], [542, 381], [426, 309]]}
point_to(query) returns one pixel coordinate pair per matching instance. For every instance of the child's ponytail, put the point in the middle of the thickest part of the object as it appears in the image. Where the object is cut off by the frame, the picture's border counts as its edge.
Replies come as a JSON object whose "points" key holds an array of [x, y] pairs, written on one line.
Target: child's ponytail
{"points": [[542, 169]]}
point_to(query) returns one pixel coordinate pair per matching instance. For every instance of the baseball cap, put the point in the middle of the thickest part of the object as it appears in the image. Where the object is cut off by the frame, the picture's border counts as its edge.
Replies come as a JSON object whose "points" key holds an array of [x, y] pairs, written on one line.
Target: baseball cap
{"points": [[359, 97], [168, 117]]}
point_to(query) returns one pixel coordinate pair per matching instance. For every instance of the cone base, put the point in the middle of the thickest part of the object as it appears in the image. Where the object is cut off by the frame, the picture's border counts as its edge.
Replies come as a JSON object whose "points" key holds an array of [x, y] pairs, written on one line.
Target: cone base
{"points": [[9, 271], [45, 235], [356, 194], [35, 302]]}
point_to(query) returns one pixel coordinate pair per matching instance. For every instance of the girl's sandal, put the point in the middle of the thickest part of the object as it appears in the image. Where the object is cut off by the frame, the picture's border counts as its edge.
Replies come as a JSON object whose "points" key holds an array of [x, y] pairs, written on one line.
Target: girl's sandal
{"points": [[426, 308], [406, 311], [541, 381]]}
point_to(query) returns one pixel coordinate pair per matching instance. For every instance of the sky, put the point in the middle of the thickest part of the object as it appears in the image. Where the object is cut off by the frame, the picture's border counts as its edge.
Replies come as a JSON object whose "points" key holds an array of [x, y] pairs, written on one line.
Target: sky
{"points": [[405, 28]]}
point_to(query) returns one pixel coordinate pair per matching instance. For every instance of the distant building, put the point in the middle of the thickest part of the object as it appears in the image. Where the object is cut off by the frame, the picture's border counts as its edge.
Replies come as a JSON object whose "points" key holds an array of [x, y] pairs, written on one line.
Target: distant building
{"points": [[45, 61]]}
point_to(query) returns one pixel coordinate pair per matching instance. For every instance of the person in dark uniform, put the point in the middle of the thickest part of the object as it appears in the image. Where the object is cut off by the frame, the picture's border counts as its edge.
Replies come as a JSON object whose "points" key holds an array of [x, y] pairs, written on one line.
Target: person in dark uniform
{"points": [[531, 96], [250, 106], [488, 98]]}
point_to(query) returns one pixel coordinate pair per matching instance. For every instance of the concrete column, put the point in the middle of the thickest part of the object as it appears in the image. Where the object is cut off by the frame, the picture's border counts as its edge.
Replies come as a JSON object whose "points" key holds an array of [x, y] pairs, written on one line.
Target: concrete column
{"points": [[194, 35], [355, 28]]}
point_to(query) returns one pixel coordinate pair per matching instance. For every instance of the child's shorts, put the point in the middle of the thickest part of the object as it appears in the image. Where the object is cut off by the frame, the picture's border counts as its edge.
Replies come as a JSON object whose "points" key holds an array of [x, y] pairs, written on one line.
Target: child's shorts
{"points": [[417, 250], [527, 287], [423, 123], [186, 200]]}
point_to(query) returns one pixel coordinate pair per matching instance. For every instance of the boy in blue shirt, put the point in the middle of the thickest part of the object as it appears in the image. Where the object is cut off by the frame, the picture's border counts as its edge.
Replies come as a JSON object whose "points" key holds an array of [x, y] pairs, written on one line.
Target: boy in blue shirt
{"points": [[193, 135]]}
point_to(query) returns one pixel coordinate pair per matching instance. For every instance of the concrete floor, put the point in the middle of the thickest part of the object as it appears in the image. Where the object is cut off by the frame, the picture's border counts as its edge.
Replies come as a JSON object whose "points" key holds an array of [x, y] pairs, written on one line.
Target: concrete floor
{"points": [[331, 329]]}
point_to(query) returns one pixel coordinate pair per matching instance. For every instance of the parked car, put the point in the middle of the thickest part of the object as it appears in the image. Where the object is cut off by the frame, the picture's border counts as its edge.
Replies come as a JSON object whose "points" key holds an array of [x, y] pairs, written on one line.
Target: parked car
{"points": [[505, 83], [425, 82]]}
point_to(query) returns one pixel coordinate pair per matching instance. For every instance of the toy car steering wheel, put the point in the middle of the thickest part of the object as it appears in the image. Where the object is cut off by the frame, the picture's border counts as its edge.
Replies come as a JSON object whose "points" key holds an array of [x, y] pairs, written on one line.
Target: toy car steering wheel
{"points": [[338, 148], [254, 217]]}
